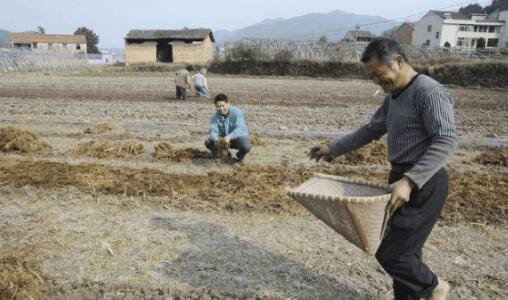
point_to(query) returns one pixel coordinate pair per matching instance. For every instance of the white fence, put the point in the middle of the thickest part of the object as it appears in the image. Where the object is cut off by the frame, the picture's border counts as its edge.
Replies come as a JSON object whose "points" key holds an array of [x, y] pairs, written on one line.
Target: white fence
{"points": [[348, 52], [21, 60]]}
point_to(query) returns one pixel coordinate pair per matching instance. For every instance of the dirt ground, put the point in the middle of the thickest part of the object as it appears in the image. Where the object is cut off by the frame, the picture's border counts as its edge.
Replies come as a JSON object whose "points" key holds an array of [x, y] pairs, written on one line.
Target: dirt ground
{"points": [[170, 222]]}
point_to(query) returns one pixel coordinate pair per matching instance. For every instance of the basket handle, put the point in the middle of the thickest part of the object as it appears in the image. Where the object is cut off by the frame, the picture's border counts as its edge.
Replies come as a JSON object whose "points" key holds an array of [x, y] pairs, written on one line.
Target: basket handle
{"points": [[389, 211]]}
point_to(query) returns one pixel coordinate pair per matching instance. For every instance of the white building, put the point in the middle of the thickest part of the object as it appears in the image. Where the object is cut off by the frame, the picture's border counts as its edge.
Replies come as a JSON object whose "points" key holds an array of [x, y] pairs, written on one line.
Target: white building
{"points": [[452, 29], [53, 42]]}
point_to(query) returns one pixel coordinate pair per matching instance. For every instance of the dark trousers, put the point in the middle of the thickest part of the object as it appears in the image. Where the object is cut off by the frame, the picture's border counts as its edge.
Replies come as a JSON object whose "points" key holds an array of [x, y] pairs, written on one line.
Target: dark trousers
{"points": [[241, 144], [181, 93], [400, 252]]}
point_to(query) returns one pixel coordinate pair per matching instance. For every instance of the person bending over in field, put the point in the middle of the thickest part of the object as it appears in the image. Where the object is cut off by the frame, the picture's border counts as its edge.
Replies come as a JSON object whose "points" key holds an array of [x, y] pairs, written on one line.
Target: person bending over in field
{"points": [[200, 84], [417, 114], [183, 82], [228, 126]]}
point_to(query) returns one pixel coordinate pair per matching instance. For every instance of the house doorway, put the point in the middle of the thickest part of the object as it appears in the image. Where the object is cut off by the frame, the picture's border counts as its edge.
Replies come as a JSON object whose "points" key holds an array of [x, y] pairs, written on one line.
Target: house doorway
{"points": [[164, 52]]}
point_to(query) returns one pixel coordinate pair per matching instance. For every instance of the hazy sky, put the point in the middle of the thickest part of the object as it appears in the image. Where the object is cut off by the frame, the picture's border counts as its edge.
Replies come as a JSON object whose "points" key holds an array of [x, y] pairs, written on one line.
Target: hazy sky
{"points": [[112, 19]]}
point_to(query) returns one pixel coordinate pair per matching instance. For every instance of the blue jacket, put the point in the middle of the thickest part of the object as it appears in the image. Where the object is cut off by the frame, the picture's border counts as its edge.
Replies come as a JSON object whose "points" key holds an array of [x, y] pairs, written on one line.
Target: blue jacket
{"points": [[232, 125]]}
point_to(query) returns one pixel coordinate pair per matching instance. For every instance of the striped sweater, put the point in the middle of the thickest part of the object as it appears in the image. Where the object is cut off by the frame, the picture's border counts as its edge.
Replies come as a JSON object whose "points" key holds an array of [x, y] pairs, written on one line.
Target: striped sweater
{"points": [[420, 127]]}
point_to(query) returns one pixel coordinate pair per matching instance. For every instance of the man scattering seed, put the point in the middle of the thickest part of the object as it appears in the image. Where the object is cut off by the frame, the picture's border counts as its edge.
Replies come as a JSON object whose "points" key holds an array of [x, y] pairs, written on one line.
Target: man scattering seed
{"points": [[228, 125], [417, 115]]}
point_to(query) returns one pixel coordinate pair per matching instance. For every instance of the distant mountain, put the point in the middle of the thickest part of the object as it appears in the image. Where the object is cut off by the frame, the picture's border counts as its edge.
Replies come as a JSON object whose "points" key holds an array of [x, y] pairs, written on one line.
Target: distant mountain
{"points": [[334, 25], [4, 38]]}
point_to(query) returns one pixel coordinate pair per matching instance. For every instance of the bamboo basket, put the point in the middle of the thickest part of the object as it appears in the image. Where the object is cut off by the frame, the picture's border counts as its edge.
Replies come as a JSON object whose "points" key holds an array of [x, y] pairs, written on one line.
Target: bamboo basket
{"points": [[357, 209]]}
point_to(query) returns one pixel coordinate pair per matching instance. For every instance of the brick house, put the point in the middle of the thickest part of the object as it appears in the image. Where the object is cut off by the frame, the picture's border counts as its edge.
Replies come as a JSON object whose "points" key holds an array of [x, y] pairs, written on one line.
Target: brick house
{"points": [[193, 46], [403, 34]]}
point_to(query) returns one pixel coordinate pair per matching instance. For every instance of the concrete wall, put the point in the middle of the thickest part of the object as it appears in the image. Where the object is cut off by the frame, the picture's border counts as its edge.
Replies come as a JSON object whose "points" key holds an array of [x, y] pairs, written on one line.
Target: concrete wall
{"points": [[449, 33], [141, 53]]}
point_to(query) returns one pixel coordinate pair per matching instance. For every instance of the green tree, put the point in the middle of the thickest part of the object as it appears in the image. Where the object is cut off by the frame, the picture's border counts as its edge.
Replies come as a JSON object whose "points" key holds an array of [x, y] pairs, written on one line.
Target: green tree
{"points": [[41, 30], [92, 39], [495, 5], [471, 9]]}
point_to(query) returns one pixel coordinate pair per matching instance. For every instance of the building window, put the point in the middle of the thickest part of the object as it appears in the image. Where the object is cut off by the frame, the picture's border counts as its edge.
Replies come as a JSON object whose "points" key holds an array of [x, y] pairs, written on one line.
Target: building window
{"points": [[50, 45], [492, 29], [34, 45], [492, 43], [429, 28], [78, 47], [427, 43], [461, 42], [437, 34], [467, 27], [64, 45]]}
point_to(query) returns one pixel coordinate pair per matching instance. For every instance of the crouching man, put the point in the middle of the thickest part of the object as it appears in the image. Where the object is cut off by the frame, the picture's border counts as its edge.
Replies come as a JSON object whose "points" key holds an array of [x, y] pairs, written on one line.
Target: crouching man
{"points": [[417, 114], [228, 123]]}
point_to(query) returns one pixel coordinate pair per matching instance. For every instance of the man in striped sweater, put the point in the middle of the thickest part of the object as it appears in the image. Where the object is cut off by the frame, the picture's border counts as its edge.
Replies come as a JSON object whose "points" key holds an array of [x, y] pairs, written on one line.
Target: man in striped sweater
{"points": [[417, 116]]}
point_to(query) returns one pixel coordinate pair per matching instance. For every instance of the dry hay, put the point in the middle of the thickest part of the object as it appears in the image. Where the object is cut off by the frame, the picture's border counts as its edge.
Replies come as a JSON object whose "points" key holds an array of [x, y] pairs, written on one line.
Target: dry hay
{"points": [[190, 154], [474, 197], [223, 148], [99, 128], [373, 153], [478, 197], [13, 139], [256, 140], [249, 188], [19, 278], [164, 150], [494, 156], [108, 149]]}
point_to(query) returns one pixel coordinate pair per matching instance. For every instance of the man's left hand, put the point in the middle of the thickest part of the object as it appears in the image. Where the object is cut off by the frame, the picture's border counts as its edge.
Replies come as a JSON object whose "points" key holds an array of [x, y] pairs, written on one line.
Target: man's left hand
{"points": [[227, 139], [401, 190]]}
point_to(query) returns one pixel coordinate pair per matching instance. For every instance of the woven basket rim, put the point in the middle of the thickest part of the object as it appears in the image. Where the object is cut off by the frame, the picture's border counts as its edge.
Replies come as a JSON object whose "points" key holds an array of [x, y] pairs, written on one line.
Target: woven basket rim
{"points": [[348, 199]]}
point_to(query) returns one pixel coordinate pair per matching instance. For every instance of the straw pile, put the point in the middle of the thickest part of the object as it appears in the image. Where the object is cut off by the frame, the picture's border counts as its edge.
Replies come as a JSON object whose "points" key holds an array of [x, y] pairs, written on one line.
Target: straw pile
{"points": [[256, 140], [99, 128], [164, 150], [223, 149], [497, 156], [13, 139], [19, 278], [373, 153], [473, 197], [108, 149]]}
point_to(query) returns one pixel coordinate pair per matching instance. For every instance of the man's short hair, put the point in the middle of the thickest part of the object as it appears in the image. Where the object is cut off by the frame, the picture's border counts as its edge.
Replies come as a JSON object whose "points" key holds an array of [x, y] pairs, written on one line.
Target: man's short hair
{"points": [[221, 97], [189, 68], [383, 49]]}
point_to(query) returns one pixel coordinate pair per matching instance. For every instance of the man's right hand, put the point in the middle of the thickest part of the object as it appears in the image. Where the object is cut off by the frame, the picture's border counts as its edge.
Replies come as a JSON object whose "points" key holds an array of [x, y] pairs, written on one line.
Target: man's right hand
{"points": [[321, 151]]}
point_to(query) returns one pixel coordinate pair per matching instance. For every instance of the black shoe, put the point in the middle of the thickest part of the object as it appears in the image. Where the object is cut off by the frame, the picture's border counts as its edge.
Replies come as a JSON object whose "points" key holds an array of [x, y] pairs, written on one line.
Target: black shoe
{"points": [[240, 159]]}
